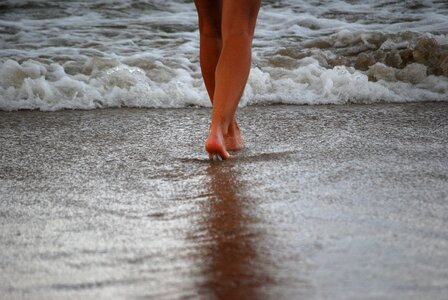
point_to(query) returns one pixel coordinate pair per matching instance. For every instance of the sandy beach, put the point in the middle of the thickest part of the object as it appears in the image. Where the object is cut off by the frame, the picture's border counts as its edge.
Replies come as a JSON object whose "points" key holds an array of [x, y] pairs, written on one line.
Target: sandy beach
{"points": [[326, 202]]}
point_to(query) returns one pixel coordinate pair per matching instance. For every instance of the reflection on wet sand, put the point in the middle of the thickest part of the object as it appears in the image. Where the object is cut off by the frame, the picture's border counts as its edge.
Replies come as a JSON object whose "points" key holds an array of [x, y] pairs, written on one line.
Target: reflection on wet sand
{"points": [[232, 268]]}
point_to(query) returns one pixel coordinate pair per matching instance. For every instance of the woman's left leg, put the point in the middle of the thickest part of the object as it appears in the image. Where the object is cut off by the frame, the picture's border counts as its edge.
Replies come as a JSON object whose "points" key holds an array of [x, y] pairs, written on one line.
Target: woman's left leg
{"points": [[210, 40]]}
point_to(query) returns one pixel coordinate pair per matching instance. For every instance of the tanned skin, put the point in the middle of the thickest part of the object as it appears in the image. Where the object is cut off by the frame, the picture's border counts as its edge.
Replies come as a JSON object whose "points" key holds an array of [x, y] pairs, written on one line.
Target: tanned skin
{"points": [[226, 30]]}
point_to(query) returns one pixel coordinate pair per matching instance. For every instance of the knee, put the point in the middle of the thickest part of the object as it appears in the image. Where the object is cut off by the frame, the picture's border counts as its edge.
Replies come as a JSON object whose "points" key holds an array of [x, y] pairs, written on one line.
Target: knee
{"points": [[241, 33], [237, 34], [209, 18], [241, 26]]}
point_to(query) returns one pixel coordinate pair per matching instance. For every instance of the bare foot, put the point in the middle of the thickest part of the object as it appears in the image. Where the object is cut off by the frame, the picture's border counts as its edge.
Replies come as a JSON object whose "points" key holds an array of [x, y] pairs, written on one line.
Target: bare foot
{"points": [[215, 145], [233, 139]]}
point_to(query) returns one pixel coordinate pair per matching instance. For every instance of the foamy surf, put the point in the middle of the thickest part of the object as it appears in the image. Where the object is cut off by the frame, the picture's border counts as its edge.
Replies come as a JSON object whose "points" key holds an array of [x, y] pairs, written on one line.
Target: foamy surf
{"points": [[33, 85], [87, 55]]}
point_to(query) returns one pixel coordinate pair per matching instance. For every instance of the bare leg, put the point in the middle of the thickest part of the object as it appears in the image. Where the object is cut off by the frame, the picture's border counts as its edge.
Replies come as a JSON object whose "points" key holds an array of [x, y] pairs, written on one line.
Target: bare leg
{"points": [[232, 71], [209, 12], [210, 21]]}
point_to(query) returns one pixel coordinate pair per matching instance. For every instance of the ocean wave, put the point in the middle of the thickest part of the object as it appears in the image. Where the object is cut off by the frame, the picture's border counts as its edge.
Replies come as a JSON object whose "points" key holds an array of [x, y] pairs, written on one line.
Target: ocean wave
{"points": [[98, 54], [35, 85]]}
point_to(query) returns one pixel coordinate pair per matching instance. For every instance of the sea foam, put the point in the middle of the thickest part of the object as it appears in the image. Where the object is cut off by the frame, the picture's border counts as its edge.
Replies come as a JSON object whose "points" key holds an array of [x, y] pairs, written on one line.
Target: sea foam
{"points": [[33, 85]]}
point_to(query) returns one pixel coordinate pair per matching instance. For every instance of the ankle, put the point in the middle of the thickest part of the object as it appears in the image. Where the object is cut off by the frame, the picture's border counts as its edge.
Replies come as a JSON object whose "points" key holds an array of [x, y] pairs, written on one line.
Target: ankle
{"points": [[220, 128], [233, 127]]}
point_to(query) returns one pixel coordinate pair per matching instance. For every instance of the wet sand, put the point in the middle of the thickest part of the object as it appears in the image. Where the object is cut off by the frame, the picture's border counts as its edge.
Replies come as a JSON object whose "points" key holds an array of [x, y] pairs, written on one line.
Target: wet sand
{"points": [[326, 202]]}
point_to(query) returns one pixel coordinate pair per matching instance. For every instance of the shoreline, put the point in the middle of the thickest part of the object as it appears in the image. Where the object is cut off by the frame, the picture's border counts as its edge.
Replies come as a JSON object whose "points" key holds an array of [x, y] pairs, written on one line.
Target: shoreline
{"points": [[239, 108]]}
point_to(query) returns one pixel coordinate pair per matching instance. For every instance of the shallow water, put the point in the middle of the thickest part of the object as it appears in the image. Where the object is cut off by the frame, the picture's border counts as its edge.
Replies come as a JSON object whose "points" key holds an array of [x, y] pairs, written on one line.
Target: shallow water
{"points": [[327, 202], [91, 54]]}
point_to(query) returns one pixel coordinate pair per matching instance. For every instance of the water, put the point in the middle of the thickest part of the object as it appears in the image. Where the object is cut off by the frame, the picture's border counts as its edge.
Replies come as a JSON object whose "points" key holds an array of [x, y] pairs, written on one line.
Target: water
{"points": [[93, 54]]}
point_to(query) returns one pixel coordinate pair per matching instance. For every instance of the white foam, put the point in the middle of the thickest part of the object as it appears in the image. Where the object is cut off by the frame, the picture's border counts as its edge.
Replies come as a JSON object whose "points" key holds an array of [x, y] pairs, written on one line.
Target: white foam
{"points": [[33, 85], [313, 84], [25, 86]]}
